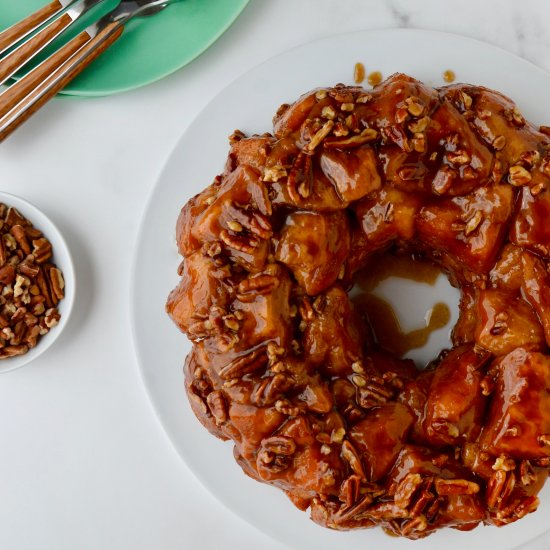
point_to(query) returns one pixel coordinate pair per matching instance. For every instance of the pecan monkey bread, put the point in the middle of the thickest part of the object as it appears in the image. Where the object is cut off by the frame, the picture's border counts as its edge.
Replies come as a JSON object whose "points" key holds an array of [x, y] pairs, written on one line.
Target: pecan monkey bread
{"points": [[287, 368]]}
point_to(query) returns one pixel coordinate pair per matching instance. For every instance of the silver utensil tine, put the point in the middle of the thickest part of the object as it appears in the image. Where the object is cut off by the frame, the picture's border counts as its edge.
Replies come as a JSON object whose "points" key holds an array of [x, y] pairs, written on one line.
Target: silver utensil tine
{"points": [[30, 48]]}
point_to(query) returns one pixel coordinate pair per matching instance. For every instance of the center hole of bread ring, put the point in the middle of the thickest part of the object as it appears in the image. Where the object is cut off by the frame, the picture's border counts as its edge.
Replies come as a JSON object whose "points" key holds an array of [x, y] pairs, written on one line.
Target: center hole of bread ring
{"points": [[409, 304]]}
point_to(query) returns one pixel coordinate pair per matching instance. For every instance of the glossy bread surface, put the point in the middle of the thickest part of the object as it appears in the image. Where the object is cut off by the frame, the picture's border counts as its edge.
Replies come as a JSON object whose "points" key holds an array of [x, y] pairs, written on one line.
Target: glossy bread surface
{"points": [[285, 365]]}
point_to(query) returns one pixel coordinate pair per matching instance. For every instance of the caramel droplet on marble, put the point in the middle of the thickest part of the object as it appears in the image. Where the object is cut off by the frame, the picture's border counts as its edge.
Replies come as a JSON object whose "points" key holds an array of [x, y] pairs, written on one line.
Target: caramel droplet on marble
{"points": [[449, 76], [359, 73]]}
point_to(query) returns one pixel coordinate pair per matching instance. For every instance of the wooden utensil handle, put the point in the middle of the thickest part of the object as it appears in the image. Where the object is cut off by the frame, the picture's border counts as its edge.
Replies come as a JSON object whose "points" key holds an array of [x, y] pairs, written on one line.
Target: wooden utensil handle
{"points": [[22, 88], [16, 59], [24, 27], [27, 95]]}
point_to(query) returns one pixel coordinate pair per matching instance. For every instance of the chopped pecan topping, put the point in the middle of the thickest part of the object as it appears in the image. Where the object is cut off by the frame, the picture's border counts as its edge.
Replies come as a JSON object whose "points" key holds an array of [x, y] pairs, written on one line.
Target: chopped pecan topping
{"points": [[30, 288], [317, 139], [518, 175], [415, 106]]}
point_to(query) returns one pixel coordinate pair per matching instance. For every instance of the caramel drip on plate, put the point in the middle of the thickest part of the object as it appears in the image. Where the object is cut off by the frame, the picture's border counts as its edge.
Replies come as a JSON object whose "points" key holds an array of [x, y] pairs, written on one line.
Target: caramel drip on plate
{"points": [[380, 313], [386, 266]]}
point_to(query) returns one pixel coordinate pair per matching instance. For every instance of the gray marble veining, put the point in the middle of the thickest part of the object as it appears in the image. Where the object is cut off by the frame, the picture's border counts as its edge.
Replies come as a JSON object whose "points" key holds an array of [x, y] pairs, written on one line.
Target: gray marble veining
{"points": [[520, 27]]}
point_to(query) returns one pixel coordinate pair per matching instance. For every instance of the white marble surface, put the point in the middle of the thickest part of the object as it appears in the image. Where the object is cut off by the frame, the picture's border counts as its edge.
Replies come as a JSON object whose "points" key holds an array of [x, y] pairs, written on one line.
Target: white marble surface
{"points": [[84, 464]]}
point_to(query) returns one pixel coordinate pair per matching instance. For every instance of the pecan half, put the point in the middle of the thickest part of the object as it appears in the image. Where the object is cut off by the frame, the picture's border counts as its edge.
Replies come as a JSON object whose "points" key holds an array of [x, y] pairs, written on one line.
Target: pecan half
{"points": [[351, 456], [269, 390], [373, 392], [276, 453], [42, 250], [251, 220], [499, 488], [368, 135], [247, 364], [299, 178], [258, 284], [406, 488], [321, 134], [447, 487], [349, 490], [20, 236], [418, 524], [280, 445], [216, 404], [347, 513], [244, 243], [56, 283]]}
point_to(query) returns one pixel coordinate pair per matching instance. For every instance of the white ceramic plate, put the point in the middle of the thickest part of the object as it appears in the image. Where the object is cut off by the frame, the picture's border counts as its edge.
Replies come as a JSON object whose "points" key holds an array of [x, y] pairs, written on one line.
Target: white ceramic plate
{"points": [[249, 104], [62, 258]]}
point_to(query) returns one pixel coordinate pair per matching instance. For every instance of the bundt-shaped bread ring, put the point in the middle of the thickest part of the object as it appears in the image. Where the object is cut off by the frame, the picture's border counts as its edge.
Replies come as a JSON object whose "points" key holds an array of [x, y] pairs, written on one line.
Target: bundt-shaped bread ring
{"points": [[287, 368]]}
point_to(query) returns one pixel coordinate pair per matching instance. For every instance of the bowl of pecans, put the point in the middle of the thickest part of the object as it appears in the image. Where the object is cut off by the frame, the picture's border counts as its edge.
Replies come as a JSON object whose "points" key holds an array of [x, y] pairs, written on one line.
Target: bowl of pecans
{"points": [[36, 282]]}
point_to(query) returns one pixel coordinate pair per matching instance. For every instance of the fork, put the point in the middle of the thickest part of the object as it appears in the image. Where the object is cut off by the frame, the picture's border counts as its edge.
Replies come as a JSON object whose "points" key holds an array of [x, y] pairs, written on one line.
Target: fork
{"points": [[27, 95]]}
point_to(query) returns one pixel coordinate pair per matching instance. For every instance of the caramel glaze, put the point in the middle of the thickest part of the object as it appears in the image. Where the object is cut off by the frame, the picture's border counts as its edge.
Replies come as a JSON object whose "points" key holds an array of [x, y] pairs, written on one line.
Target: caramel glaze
{"points": [[284, 365]]}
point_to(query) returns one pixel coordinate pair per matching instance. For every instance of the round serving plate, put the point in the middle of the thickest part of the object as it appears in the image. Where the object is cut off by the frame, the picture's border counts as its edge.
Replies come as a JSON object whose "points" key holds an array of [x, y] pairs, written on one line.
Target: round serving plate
{"points": [[249, 104], [150, 48]]}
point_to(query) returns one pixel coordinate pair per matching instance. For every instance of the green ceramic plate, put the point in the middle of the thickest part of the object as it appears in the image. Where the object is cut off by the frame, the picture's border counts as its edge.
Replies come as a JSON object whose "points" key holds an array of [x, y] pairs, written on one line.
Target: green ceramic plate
{"points": [[150, 48]]}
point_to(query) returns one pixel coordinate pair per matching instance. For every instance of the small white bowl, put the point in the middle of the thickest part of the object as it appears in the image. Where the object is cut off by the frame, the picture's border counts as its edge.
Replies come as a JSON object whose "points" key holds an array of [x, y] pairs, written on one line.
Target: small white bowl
{"points": [[62, 259]]}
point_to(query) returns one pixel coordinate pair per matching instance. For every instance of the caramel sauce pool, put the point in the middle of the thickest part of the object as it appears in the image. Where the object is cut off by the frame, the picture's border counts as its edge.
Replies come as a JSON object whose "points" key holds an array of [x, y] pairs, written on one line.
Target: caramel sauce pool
{"points": [[383, 319]]}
